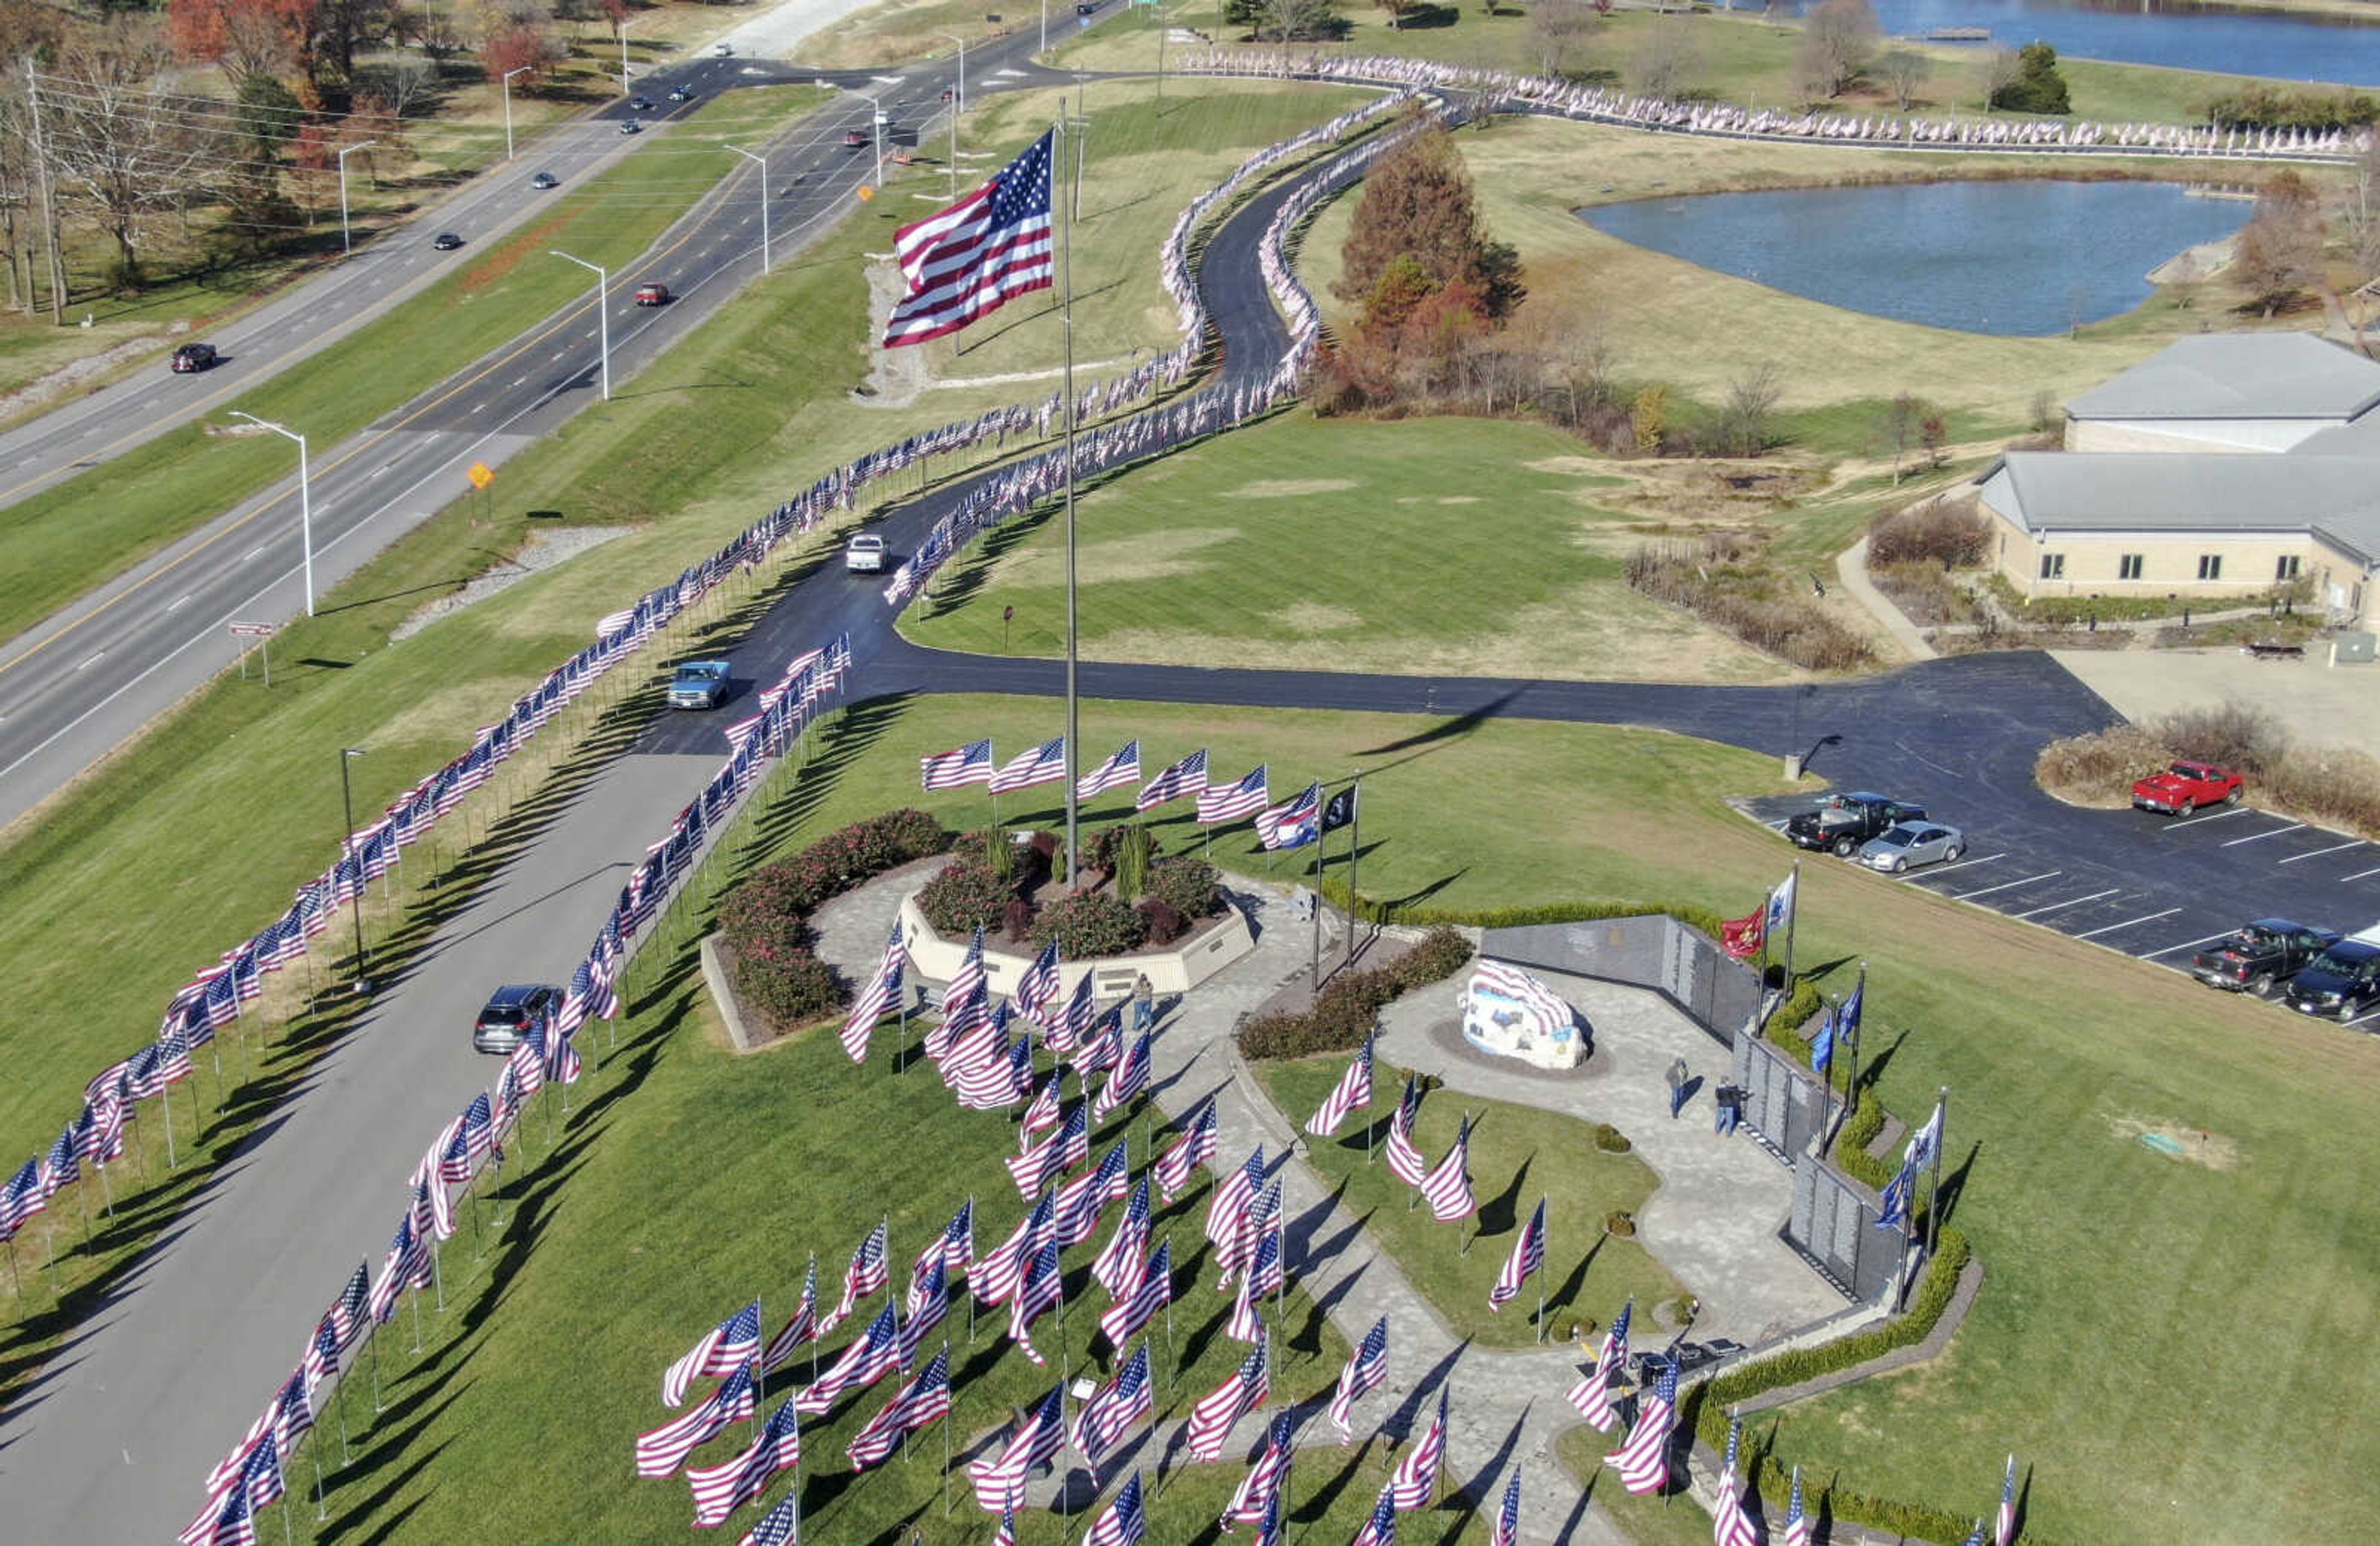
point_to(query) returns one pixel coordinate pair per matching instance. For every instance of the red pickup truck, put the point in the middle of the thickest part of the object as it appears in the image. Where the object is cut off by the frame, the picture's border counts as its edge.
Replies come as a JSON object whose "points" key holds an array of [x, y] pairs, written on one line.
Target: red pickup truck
{"points": [[2184, 787]]}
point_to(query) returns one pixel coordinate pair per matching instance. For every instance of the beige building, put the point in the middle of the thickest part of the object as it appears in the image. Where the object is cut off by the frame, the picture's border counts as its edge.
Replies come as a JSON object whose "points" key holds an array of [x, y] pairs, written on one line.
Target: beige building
{"points": [[2227, 465]]}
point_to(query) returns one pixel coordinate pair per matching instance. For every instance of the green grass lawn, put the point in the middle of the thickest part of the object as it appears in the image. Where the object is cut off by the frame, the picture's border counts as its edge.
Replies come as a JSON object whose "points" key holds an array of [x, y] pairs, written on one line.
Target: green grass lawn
{"points": [[1518, 1155]]}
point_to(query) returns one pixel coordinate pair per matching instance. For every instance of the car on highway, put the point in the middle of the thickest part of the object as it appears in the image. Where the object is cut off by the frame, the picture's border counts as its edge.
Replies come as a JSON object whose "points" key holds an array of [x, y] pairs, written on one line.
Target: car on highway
{"points": [[699, 685], [2183, 788], [2343, 981], [653, 292], [1909, 844], [681, 94], [446, 241], [511, 1011], [630, 125], [855, 139], [545, 181], [192, 358], [1842, 824], [2261, 955], [640, 104], [864, 554]]}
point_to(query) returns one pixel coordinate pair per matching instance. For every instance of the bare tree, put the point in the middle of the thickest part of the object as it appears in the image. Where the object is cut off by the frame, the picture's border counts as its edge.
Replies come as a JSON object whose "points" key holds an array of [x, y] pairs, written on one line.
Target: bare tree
{"points": [[2366, 174], [1750, 404], [120, 148], [1668, 59], [1837, 40], [1558, 27], [1904, 70], [1288, 20], [1902, 423], [2001, 69], [407, 85], [2280, 253]]}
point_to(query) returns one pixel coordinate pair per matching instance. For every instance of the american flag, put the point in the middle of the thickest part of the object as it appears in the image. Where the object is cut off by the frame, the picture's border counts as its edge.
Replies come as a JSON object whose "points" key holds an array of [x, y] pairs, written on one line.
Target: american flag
{"points": [[1232, 1198], [349, 1312], [1245, 1325], [1405, 1161], [293, 1414], [1979, 1535], [1068, 1147], [1508, 1517], [1797, 1524], [1228, 802], [322, 1356], [1117, 1405], [1082, 1014], [1269, 1530], [1260, 1491], [721, 1490], [925, 1315], [1528, 1256], [986, 1080], [881, 996], [1123, 1524], [1644, 1461], [1366, 1368], [232, 1466], [1294, 823], [966, 261], [64, 1166], [1083, 1199], [1006, 1534], [1101, 1048], [1036, 989], [100, 1133], [1119, 772], [1129, 1314], [433, 1211], [1355, 1088], [951, 1250], [1000, 1478], [562, 1059], [1380, 1530], [801, 1328], [1415, 1482], [455, 1156], [955, 769], [1592, 1394], [1045, 763], [921, 1401], [1125, 1256], [662, 1451], [173, 1058], [959, 996], [1043, 1286], [1449, 1186], [231, 1522], [1040, 1116], [526, 1061], [965, 1030], [867, 1273], [2004, 1527], [723, 1349], [1730, 1525], [407, 1267], [1196, 1147], [863, 1363], [1186, 777], [993, 1278], [1258, 1221], [1211, 1418], [1131, 1077]]}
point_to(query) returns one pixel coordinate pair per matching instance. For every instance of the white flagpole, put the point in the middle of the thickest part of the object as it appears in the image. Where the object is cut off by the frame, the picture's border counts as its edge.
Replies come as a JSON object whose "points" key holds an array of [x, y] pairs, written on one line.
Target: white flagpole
{"points": [[1074, 715]]}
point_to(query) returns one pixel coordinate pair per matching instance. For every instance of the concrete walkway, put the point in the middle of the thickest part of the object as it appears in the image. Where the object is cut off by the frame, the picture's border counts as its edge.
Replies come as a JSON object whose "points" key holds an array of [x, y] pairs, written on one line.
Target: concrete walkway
{"points": [[1851, 567]]}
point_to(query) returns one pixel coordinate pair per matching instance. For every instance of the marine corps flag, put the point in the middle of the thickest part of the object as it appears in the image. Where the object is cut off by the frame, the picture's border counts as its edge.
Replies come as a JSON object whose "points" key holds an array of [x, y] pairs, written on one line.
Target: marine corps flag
{"points": [[1338, 811], [1742, 937]]}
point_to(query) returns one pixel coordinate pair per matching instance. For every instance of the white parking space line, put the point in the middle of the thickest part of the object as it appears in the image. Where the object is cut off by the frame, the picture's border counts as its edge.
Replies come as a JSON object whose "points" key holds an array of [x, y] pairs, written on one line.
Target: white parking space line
{"points": [[2045, 876], [1962, 864], [2333, 849], [2359, 1019], [2260, 836], [2074, 902], [2359, 874], [2198, 821], [2112, 927], [2187, 944]]}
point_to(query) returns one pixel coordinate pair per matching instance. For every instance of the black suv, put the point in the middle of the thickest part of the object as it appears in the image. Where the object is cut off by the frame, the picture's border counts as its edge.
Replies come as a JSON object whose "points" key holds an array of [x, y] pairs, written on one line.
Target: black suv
{"points": [[2261, 957], [1842, 822], [510, 1011], [193, 357], [2343, 981], [1687, 1356]]}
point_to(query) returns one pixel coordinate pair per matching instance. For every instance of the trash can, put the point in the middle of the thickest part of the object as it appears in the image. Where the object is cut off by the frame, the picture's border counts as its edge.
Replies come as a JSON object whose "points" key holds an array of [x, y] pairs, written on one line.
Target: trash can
{"points": [[1792, 767]]}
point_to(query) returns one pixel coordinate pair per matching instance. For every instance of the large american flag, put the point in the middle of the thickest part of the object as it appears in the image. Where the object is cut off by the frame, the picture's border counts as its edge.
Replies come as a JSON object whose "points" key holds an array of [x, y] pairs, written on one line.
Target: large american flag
{"points": [[1000, 1478], [1186, 777], [1449, 1186], [1116, 1408], [1797, 1524], [1042, 1115], [1083, 1199], [1130, 1313], [932, 1303], [1131, 1077], [950, 770], [868, 1272], [1045, 763], [1228, 802], [1295, 822], [1044, 1283], [1259, 1221], [723, 1349], [993, 1278], [921, 1401], [1260, 1491], [1119, 772], [1405, 1162], [2004, 1527], [1508, 1517], [1528, 1256], [1199, 1141], [1071, 1030], [863, 1363], [950, 1249], [1730, 1525], [662, 1451], [1124, 1258], [1232, 1199], [1036, 986], [802, 1327], [1211, 1418], [1592, 1394], [1366, 1368], [1380, 1530], [781, 1526], [1414, 1485], [1644, 1461], [1123, 1524], [1355, 1088], [966, 261], [879, 998], [721, 1490]]}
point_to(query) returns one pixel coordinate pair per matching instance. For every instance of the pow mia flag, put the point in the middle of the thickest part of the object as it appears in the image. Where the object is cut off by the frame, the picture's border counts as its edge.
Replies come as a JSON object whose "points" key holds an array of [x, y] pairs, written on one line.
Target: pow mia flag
{"points": [[1338, 811]]}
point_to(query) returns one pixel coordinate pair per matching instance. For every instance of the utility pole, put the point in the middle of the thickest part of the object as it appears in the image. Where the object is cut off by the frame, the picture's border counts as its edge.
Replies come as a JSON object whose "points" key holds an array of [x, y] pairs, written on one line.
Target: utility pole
{"points": [[49, 203]]}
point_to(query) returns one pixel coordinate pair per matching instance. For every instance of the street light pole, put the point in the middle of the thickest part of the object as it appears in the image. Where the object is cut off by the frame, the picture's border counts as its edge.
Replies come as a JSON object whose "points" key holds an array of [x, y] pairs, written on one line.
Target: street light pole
{"points": [[347, 239], [508, 107], [958, 105], [876, 133], [624, 58], [763, 166], [355, 896], [602, 316], [305, 498]]}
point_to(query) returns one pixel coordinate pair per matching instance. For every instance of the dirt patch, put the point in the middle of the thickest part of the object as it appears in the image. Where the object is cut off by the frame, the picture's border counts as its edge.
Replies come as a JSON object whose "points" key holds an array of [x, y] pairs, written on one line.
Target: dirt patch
{"points": [[2195, 1145], [1289, 488], [68, 377], [543, 551], [1314, 618]]}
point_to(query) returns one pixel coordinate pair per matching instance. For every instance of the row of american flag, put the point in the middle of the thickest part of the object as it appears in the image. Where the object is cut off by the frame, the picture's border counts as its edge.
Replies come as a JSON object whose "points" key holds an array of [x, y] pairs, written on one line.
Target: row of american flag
{"points": [[1295, 822], [471, 1149]]}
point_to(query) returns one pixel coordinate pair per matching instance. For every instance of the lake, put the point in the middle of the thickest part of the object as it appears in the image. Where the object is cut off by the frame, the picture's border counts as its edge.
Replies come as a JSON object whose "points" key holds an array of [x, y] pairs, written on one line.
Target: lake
{"points": [[2228, 39], [2018, 259]]}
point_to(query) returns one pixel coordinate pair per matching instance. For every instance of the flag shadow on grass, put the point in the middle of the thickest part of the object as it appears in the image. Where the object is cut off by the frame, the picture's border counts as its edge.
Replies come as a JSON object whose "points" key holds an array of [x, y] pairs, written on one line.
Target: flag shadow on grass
{"points": [[854, 728], [1500, 1213], [1425, 741], [1423, 1394], [1317, 1506], [1469, 1495], [1954, 1185]]}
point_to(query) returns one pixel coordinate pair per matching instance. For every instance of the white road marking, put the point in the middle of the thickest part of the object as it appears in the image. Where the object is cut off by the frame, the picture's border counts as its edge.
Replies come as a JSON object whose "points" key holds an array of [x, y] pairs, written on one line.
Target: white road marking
{"points": [[2359, 874], [29, 460], [251, 552], [2111, 928], [2046, 875], [2260, 836], [181, 603], [2359, 1019], [2076, 902], [518, 379], [2197, 821], [382, 471], [2187, 944], [1964, 864], [479, 407], [93, 661], [2333, 849]]}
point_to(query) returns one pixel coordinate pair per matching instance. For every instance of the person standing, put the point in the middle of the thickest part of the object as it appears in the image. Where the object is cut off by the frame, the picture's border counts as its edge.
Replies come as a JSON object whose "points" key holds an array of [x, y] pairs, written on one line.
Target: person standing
{"points": [[1679, 1075], [1143, 1003]]}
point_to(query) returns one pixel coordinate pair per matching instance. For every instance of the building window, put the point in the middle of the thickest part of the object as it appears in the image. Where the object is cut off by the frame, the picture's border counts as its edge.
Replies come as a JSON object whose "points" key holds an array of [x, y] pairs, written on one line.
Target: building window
{"points": [[2210, 565], [2129, 565], [2053, 565], [2286, 569]]}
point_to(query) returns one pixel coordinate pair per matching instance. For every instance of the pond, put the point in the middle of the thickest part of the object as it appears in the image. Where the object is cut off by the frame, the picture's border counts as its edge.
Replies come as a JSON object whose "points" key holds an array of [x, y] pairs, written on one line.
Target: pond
{"points": [[2014, 258], [2230, 40]]}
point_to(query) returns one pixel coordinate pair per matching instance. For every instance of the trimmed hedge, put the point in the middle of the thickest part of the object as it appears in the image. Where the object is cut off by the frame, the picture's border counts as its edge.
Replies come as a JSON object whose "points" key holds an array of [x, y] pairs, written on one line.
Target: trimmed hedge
{"points": [[1344, 1013], [1089, 924], [1185, 884], [791, 989], [965, 896]]}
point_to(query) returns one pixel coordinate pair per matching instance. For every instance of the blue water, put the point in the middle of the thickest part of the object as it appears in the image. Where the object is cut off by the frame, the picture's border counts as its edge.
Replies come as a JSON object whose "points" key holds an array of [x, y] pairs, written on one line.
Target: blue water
{"points": [[2284, 45], [2017, 259]]}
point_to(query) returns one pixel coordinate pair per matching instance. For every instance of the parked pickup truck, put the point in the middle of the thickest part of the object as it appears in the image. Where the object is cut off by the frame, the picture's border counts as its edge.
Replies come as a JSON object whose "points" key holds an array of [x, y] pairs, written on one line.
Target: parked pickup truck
{"points": [[2183, 787], [699, 685], [2261, 957], [1842, 823]]}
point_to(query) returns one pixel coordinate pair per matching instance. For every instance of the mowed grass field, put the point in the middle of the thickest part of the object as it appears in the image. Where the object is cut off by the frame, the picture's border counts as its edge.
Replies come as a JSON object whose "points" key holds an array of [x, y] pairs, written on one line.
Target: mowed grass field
{"points": [[2151, 1329], [1518, 1155]]}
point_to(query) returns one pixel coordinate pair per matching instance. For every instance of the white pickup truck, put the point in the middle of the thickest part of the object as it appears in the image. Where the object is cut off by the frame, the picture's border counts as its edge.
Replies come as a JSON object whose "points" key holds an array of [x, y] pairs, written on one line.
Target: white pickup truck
{"points": [[864, 554]]}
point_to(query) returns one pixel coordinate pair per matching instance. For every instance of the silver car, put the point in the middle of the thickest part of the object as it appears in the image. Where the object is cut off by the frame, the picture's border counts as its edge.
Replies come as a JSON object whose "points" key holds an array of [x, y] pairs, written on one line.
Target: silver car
{"points": [[1912, 843]]}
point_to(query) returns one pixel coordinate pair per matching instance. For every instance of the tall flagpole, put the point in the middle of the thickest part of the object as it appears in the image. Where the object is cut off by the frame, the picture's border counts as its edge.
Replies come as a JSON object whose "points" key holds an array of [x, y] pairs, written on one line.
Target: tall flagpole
{"points": [[1074, 716]]}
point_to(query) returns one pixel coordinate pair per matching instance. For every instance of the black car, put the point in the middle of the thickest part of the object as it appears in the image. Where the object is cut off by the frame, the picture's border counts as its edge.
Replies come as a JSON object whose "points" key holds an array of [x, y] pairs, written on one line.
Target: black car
{"points": [[2262, 955], [194, 356], [1842, 823], [2343, 981], [640, 104], [446, 241], [510, 1012], [544, 180], [1687, 1356]]}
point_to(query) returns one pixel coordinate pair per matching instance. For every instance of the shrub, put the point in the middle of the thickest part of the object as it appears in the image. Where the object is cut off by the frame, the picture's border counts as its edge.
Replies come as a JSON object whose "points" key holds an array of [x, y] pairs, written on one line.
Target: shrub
{"points": [[1088, 924], [843, 860], [2038, 88], [788, 987], [1726, 582], [1440, 955], [757, 924], [1185, 884], [1610, 1139], [1162, 923], [965, 898], [1953, 535], [1133, 851], [999, 854], [1621, 1222], [1352, 1001]]}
